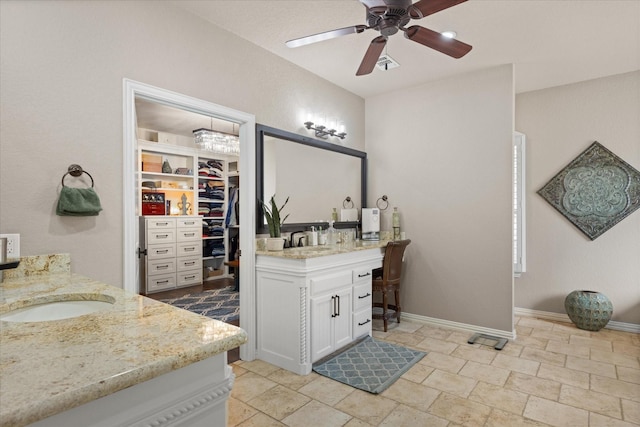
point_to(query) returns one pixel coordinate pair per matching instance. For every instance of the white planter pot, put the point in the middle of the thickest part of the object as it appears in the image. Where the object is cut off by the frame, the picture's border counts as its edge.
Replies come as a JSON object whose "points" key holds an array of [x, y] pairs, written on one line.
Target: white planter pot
{"points": [[275, 243]]}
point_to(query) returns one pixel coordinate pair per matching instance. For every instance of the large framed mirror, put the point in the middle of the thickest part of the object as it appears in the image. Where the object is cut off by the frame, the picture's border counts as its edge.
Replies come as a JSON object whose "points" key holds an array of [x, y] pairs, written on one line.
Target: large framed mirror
{"points": [[316, 175]]}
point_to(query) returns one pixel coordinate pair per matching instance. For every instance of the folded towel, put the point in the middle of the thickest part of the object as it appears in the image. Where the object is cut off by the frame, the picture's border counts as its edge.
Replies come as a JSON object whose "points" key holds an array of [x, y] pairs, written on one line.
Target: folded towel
{"points": [[78, 202]]}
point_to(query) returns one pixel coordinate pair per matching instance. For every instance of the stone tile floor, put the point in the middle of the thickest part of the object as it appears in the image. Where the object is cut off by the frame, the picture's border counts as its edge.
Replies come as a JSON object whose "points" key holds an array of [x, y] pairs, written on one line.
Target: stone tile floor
{"points": [[553, 374]]}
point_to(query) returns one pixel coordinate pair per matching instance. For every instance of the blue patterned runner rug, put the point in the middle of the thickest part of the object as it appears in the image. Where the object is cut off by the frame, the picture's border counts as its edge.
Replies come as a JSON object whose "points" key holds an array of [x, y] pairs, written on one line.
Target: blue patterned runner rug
{"points": [[369, 365], [220, 304]]}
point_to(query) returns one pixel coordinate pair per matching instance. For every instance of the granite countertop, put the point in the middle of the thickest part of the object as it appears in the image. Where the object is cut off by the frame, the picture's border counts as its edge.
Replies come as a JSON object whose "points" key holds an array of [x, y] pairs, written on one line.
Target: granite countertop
{"points": [[49, 367], [307, 252]]}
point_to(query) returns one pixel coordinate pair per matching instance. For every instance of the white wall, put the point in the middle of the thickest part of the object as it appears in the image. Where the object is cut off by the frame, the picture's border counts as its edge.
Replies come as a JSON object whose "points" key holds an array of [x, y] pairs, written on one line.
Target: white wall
{"points": [[560, 123], [62, 65], [442, 154]]}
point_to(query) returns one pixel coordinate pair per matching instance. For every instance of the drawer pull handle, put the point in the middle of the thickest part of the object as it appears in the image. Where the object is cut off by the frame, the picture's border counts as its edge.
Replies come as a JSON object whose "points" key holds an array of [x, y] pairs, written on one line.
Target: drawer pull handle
{"points": [[364, 323], [189, 263], [189, 234], [333, 299], [364, 275], [189, 223], [163, 251], [189, 249], [189, 277], [162, 236], [364, 296], [161, 282], [162, 223], [161, 267]]}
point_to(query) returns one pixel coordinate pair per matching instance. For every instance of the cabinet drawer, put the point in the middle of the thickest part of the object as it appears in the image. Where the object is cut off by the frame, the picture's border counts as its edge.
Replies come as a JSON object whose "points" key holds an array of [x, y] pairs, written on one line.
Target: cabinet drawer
{"points": [[161, 223], [161, 266], [189, 234], [189, 222], [189, 263], [362, 274], [361, 296], [189, 248], [161, 236], [160, 282], [161, 251], [326, 283], [362, 321], [189, 277]]}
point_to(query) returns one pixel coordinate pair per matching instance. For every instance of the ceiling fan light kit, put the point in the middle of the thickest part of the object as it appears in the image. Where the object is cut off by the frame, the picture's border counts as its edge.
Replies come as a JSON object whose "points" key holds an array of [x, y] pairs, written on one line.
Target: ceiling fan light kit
{"points": [[390, 16]]}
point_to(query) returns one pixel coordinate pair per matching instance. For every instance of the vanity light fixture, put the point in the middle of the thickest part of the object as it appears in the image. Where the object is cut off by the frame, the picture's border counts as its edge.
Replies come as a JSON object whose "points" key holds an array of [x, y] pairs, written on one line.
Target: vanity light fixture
{"points": [[217, 142], [323, 131]]}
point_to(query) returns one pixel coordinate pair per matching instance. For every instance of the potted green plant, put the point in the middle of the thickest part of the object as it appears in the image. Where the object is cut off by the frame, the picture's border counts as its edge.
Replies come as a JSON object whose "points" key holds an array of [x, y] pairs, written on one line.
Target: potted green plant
{"points": [[274, 222]]}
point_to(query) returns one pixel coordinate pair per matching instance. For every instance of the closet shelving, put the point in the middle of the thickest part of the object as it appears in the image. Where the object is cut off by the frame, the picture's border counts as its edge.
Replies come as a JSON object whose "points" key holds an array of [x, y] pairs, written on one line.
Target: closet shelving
{"points": [[201, 188], [213, 203]]}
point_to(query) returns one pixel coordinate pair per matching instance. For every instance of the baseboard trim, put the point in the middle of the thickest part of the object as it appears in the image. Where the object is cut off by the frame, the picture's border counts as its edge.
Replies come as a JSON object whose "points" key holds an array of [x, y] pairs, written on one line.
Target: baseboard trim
{"points": [[460, 326], [524, 312], [562, 317]]}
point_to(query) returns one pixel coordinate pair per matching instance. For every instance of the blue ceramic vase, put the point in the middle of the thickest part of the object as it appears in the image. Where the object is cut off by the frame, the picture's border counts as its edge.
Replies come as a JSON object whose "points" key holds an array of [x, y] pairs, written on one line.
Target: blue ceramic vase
{"points": [[588, 310]]}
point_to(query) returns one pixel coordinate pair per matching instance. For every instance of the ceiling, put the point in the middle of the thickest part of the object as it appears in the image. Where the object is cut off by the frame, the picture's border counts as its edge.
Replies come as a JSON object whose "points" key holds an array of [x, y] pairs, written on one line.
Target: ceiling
{"points": [[551, 42]]}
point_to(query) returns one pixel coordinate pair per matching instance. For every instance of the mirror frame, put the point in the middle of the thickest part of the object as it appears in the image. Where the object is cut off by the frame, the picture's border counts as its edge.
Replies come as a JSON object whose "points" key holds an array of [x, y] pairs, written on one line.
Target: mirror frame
{"points": [[261, 132]]}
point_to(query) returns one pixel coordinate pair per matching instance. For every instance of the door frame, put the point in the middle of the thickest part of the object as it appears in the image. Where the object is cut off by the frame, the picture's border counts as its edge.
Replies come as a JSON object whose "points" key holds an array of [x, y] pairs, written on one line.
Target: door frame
{"points": [[247, 166]]}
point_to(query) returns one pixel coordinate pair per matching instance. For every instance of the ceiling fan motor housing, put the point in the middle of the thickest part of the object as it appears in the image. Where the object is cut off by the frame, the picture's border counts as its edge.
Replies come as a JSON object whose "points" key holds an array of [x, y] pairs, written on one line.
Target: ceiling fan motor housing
{"points": [[389, 16]]}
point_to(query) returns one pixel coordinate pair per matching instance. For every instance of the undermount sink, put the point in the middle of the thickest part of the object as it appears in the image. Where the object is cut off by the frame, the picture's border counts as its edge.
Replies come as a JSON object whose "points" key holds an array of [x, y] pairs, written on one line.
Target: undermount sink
{"points": [[57, 310], [309, 249]]}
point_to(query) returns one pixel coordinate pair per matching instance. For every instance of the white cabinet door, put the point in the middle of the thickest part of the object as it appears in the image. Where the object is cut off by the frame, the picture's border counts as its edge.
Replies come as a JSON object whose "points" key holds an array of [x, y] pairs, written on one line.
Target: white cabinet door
{"points": [[321, 326], [342, 322], [331, 323]]}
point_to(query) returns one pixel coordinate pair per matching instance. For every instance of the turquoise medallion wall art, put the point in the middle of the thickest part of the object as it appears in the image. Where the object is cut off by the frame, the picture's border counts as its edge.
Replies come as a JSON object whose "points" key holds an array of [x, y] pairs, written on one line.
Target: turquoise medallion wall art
{"points": [[595, 191]]}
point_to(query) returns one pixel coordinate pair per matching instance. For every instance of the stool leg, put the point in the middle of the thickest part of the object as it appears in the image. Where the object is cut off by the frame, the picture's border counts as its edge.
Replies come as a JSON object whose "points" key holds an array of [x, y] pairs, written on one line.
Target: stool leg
{"points": [[398, 309], [384, 309]]}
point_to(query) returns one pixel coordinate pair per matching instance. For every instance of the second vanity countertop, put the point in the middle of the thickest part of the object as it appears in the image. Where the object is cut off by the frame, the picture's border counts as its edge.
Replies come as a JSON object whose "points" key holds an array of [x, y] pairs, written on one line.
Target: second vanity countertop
{"points": [[49, 367], [307, 252]]}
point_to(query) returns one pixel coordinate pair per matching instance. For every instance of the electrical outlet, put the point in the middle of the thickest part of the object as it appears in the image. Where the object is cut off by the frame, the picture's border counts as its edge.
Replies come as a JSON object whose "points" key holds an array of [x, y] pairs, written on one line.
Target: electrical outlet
{"points": [[13, 245]]}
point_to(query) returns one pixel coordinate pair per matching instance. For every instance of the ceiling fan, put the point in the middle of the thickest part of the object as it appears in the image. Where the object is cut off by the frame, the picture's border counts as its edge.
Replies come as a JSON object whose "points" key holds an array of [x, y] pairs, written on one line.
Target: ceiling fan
{"points": [[388, 17]]}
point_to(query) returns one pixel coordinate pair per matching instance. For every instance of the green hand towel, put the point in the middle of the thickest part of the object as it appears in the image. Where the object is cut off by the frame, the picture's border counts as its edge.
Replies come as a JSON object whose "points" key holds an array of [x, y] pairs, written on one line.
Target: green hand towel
{"points": [[78, 202]]}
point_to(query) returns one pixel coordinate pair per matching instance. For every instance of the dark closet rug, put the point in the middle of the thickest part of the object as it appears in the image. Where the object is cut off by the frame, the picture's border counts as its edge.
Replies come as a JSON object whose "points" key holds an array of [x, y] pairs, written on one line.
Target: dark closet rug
{"points": [[220, 304], [369, 365]]}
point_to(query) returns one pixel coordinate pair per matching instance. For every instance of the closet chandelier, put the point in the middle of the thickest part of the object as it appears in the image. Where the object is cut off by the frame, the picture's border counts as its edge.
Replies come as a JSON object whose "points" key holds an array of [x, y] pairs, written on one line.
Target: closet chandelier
{"points": [[217, 142]]}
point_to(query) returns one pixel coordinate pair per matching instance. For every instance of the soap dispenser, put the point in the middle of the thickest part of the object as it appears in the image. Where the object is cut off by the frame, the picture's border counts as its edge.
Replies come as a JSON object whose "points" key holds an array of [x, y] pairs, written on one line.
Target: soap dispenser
{"points": [[313, 237]]}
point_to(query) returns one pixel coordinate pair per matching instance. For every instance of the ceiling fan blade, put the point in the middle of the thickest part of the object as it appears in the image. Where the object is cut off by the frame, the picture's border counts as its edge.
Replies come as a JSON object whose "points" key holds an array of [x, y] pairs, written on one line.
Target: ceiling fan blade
{"points": [[437, 41], [302, 41], [424, 8], [371, 57]]}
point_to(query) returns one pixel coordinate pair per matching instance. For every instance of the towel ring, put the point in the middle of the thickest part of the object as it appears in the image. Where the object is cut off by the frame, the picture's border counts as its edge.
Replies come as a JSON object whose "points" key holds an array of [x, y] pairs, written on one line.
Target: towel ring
{"points": [[346, 202], [76, 171], [384, 199]]}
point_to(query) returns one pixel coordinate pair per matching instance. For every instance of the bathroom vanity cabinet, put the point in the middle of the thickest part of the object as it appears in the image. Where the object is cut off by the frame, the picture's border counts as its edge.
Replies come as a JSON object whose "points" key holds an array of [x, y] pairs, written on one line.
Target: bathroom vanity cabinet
{"points": [[311, 305]]}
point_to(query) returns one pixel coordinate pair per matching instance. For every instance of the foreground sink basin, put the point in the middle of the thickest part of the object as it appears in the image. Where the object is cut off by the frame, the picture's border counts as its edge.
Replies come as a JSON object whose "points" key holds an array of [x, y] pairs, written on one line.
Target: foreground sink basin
{"points": [[57, 310]]}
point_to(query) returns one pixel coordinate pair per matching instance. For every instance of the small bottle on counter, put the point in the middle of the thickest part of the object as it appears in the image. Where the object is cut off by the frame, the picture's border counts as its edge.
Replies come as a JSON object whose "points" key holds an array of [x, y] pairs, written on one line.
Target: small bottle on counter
{"points": [[322, 236], [396, 224], [334, 215]]}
